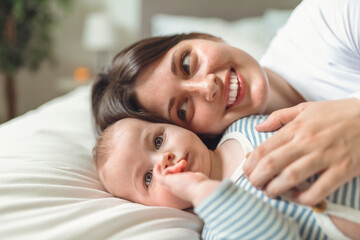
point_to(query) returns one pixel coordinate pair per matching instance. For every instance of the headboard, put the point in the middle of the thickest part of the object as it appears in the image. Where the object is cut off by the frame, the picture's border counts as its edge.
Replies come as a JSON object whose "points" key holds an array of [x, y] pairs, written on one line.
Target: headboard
{"points": [[226, 9]]}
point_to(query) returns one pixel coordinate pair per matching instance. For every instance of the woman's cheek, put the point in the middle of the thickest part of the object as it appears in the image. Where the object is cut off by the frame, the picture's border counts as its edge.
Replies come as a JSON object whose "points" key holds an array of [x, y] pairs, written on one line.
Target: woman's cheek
{"points": [[209, 120]]}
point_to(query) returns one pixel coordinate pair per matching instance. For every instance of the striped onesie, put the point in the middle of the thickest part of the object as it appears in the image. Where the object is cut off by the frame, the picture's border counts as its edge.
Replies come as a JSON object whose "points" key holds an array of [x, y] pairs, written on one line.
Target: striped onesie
{"points": [[236, 210]]}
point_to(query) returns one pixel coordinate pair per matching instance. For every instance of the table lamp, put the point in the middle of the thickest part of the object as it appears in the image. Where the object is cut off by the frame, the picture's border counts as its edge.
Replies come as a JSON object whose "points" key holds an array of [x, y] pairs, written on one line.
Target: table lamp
{"points": [[99, 37]]}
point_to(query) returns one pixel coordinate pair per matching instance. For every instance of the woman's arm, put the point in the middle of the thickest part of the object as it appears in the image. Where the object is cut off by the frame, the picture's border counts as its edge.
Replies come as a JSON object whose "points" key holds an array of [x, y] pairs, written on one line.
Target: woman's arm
{"points": [[347, 227], [315, 137]]}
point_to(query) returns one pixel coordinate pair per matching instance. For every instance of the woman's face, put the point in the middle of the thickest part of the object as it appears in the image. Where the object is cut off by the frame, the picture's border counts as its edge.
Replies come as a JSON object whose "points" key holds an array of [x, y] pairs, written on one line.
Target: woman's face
{"points": [[203, 85]]}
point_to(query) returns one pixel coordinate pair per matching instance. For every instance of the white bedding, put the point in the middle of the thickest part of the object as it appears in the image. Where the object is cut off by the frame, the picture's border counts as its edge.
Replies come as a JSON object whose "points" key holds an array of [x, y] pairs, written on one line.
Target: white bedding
{"points": [[49, 187]]}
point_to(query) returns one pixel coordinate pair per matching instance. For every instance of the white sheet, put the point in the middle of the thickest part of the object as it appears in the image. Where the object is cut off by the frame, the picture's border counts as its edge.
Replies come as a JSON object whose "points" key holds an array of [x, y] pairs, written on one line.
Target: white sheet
{"points": [[49, 187]]}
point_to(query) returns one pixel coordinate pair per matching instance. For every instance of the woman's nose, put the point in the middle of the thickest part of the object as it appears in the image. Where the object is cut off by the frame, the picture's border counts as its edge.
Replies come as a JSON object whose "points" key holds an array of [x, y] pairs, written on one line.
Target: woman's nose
{"points": [[205, 86], [166, 160]]}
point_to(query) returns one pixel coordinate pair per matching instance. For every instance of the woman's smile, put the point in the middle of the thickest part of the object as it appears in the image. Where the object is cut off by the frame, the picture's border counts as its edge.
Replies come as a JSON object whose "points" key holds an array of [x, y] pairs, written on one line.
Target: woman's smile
{"points": [[234, 89]]}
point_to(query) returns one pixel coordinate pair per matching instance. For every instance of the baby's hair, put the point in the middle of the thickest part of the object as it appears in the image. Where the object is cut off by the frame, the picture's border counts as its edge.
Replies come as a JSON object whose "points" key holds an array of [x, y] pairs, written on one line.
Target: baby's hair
{"points": [[102, 149], [102, 152]]}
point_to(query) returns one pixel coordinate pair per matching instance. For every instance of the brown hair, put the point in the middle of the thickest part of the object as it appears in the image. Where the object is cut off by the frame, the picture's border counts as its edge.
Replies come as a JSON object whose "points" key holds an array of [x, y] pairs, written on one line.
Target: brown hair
{"points": [[113, 95]]}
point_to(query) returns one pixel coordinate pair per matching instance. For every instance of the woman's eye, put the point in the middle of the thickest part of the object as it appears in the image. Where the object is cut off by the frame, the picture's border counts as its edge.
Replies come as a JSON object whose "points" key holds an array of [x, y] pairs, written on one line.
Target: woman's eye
{"points": [[185, 62], [158, 142], [148, 178], [181, 112]]}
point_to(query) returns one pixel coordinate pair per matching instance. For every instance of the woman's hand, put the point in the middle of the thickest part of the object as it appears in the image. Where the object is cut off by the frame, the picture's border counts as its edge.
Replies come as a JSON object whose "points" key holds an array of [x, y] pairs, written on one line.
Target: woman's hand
{"points": [[190, 186], [316, 137]]}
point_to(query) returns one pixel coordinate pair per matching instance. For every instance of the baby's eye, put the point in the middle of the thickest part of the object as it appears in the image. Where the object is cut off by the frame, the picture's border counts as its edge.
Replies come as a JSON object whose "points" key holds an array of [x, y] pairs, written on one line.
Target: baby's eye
{"points": [[181, 112], [158, 141], [185, 62], [148, 177]]}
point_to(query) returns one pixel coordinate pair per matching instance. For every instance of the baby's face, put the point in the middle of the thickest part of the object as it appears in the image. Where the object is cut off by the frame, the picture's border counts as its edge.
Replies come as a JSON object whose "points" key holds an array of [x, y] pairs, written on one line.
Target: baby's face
{"points": [[137, 147]]}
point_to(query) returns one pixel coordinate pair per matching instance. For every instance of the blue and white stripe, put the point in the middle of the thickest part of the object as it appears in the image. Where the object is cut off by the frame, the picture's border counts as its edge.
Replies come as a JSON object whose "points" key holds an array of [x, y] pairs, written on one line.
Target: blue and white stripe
{"points": [[238, 214]]}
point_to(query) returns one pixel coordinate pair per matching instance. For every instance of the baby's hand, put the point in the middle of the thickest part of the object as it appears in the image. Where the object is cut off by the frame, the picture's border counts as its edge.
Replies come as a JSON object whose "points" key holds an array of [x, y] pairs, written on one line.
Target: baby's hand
{"points": [[190, 186], [179, 167]]}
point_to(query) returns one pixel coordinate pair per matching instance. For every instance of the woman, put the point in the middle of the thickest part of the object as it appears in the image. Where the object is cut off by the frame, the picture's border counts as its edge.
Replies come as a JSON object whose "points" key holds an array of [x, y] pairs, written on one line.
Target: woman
{"points": [[198, 82]]}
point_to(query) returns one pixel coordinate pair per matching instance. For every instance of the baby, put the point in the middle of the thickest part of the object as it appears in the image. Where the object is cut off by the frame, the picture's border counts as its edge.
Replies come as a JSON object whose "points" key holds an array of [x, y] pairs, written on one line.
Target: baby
{"points": [[129, 150], [160, 164]]}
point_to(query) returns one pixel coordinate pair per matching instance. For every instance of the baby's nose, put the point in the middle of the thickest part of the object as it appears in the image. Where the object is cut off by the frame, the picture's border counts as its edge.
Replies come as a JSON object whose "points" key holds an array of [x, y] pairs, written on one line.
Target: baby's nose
{"points": [[167, 160]]}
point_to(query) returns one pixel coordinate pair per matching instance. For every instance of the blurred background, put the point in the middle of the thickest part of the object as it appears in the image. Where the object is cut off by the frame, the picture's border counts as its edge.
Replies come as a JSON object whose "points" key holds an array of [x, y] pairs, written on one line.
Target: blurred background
{"points": [[77, 50]]}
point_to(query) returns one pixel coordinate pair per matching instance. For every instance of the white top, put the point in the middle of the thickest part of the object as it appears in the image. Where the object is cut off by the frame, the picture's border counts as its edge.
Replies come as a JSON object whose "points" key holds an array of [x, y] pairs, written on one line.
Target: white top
{"points": [[318, 49], [246, 146]]}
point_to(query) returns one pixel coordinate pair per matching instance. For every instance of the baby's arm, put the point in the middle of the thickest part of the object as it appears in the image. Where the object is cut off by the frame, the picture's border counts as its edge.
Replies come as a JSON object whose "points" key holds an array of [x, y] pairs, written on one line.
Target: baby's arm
{"points": [[228, 211], [232, 213]]}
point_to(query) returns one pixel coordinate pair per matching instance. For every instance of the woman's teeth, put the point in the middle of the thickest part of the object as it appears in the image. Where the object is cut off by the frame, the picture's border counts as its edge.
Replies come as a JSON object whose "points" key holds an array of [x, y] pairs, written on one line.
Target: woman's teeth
{"points": [[233, 88]]}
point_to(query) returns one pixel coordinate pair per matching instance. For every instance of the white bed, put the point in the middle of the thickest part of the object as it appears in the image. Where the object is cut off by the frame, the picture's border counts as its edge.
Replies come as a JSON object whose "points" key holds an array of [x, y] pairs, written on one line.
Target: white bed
{"points": [[49, 187]]}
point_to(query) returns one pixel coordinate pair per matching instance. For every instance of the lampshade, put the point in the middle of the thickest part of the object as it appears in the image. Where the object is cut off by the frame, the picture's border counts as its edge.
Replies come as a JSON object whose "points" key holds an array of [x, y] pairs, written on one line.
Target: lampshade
{"points": [[98, 33]]}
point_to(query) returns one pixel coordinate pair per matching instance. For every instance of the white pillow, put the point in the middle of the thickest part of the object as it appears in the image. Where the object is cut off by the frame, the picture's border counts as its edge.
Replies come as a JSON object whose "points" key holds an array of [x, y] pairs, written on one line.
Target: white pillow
{"points": [[249, 34], [49, 186], [252, 35], [275, 18]]}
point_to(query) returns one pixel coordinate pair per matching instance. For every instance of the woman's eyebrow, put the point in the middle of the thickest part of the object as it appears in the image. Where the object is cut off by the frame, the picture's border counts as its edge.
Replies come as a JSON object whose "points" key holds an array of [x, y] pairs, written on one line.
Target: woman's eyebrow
{"points": [[173, 64], [170, 106]]}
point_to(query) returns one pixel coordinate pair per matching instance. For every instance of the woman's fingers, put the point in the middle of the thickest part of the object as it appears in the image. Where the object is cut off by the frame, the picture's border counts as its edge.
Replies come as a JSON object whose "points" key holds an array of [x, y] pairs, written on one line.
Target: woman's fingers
{"points": [[269, 166], [330, 129], [279, 118], [275, 121], [267, 157], [327, 183], [294, 174]]}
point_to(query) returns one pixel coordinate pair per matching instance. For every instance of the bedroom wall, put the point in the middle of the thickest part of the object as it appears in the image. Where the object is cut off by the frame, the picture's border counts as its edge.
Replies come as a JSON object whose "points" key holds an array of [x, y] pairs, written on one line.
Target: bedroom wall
{"points": [[34, 89]]}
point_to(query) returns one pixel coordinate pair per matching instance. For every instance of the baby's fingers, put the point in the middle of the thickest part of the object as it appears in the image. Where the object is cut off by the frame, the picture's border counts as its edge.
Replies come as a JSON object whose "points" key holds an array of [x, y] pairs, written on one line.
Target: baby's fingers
{"points": [[177, 168], [157, 174], [170, 175]]}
